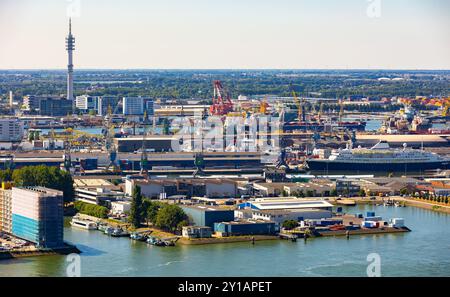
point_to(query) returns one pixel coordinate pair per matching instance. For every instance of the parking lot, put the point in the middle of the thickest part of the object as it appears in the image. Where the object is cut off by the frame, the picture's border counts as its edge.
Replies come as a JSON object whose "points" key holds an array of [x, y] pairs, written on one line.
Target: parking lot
{"points": [[8, 243]]}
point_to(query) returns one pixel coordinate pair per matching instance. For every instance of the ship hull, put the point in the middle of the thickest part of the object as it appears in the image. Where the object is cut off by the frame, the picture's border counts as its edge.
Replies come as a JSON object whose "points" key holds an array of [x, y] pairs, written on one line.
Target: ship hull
{"points": [[326, 166]]}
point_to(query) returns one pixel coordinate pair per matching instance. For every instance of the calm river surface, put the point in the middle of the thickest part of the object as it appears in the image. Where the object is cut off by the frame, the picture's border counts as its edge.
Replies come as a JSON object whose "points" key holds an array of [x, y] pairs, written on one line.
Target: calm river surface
{"points": [[423, 252]]}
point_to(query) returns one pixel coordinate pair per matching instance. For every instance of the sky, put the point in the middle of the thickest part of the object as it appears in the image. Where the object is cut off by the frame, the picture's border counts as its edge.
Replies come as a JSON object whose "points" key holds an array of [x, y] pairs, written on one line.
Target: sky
{"points": [[227, 34]]}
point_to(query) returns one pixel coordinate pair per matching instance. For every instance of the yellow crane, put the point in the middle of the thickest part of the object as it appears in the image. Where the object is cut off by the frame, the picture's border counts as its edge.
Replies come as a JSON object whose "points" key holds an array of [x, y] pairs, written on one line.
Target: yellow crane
{"points": [[263, 106], [341, 110], [319, 115], [299, 106]]}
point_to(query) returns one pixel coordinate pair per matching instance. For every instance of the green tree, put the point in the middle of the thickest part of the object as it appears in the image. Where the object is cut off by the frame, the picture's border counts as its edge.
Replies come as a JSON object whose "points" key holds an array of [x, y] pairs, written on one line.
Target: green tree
{"points": [[362, 193], [333, 192], [91, 209], [45, 176], [152, 212], [136, 207], [170, 217], [289, 224]]}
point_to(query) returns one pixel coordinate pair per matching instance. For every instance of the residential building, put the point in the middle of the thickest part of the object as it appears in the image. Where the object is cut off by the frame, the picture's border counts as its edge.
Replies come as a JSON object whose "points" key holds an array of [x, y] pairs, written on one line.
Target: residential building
{"points": [[37, 215], [120, 207], [11, 129], [5, 208], [86, 103]]}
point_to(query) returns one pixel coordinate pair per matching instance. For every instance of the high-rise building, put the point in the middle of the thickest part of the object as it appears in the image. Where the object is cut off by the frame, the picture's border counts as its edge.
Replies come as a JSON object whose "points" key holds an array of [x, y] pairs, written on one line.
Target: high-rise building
{"points": [[70, 47], [149, 106], [86, 103], [133, 105], [105, 102], [37, 215], [11, 129], [55, 107], [5, 208]]}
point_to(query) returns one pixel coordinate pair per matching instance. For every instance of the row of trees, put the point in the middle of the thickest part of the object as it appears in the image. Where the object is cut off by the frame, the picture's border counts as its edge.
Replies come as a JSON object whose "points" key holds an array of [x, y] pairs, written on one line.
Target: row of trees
{"points": [[91, 209], [165, 216], [310, 193], [432, 198], [44, 176]]}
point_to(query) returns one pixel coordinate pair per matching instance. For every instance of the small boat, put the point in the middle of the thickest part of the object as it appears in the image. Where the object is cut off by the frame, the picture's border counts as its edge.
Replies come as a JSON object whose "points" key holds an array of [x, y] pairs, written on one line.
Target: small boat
{"points": [[155, 241], [83, 224], [109, 230], [398, 204], [138, 236], [102, 227], [119, 232], [388, 203]]}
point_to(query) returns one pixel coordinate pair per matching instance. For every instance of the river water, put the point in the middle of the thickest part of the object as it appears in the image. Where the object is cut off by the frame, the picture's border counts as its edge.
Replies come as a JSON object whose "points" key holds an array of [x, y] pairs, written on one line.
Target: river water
{"points": [[423, 252]]}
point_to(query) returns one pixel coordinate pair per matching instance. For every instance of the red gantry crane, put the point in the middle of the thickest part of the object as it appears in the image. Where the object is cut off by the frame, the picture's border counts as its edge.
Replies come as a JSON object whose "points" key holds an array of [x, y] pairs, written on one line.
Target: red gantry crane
{"points": [[220, 105]]}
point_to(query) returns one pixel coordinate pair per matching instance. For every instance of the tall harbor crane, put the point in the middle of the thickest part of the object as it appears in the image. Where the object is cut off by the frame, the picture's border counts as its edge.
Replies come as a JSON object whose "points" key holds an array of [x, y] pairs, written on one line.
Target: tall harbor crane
{"points": [[341, 110], [144, 156], [300, 106], [109, 141], [221, 103]]}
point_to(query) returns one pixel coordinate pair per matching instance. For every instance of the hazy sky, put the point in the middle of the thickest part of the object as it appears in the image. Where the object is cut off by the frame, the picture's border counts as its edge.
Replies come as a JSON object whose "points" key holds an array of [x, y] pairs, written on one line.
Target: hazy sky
{"points": [[408, 34]]}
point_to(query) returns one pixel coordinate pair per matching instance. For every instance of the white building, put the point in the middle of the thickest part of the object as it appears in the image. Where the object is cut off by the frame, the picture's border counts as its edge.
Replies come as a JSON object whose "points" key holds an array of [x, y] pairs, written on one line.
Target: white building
{"points": [[133, 105], [120, 207], [11, 129], [86, 102]]}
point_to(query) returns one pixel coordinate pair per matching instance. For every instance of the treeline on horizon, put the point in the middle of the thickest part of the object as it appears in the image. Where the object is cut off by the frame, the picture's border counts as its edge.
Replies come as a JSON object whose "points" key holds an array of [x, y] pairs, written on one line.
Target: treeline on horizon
{"points": [[188, 84]]}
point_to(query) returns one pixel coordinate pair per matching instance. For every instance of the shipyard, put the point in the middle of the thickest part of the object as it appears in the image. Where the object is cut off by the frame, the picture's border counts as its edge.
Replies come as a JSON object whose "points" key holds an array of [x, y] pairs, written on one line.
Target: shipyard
{"points": [[220, 172]]}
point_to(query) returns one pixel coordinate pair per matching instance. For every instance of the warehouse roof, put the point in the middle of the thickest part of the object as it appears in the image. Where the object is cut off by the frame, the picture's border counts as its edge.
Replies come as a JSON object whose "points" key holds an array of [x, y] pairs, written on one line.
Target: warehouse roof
{"points": [[285, 204]]}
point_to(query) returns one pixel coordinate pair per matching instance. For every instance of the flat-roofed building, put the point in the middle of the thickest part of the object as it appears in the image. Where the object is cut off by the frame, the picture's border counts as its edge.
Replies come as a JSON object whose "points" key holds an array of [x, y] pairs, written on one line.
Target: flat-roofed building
{"points": [[133, 105], [285, 203], [5, 208], [11, 129], [200, 215], [37, 215]]}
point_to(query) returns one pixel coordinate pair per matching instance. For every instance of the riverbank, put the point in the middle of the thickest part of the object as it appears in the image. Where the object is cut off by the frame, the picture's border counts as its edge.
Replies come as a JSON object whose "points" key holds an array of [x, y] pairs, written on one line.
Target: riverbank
{"points": [[21, 253], [426, 205], [231, 239], [383, 230]]}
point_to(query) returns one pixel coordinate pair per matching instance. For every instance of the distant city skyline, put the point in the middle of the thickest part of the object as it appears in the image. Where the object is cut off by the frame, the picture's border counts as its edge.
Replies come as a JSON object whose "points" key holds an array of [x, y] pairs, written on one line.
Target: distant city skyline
{"points": [[234, 34]]}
